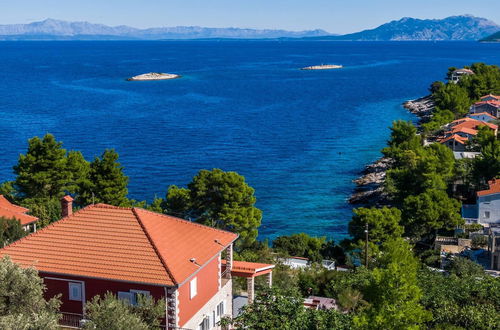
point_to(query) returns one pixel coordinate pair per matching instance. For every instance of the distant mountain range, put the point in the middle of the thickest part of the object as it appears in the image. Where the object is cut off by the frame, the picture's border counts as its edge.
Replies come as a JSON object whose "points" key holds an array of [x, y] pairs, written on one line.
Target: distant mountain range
{"points": [[463, 27], [62, 30], [495, 37]]}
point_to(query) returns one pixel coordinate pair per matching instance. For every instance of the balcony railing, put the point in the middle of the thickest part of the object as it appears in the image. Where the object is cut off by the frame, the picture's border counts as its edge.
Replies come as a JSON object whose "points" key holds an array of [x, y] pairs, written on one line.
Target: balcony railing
{"points": [[71, 320]]}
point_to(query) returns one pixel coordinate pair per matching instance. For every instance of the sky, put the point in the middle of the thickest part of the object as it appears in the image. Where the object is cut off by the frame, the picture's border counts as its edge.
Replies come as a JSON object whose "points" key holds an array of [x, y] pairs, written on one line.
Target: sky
{"points": [[335, 16]]}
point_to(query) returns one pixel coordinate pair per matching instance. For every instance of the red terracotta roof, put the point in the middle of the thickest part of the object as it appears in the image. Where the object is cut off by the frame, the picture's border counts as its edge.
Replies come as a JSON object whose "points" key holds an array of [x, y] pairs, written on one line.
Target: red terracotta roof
{"points": [[492, 96], [473, 124], [494, 103], [466, 130], [494, 188], [9, 210], [249, 268], [461, 120], [455, 137], [127, 244]]}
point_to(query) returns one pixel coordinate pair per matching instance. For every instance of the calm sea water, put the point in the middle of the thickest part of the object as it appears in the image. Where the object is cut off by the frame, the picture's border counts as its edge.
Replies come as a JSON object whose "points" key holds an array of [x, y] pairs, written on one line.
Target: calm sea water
{"points": [[299, 137]]}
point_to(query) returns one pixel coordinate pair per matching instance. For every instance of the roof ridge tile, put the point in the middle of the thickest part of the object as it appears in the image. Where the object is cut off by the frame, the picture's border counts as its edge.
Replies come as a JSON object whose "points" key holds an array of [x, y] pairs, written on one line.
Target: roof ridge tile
{"points": [[153, 245]]}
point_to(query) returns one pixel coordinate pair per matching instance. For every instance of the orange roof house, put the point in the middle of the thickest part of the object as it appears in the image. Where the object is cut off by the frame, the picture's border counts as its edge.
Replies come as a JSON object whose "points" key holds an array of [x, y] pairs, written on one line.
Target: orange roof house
{"points": [[128, 251], [455, 142], [493, 189], [12, 211], [490, 97]]}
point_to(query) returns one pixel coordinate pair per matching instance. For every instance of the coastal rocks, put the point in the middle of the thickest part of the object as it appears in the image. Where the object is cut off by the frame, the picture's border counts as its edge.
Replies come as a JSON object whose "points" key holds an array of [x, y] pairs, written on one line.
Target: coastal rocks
{"points": [[369, 187], [421, 107], [323, 67], [154, 76]]}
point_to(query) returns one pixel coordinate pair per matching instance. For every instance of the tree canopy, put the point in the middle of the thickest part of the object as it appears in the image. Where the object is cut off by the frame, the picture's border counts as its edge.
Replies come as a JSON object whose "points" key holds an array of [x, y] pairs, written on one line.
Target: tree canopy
{"points": [[10, 231], [111, 313], [430, 211], [383, 224], [284, 309], [301, 245], [393, 292], [218, 199], [106, 182], [22, 305]]}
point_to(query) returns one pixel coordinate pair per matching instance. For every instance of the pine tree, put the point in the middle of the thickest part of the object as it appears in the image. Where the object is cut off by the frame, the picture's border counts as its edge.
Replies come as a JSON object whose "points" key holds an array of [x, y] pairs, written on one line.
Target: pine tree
{"points": [[107, 182], [42, 172]]}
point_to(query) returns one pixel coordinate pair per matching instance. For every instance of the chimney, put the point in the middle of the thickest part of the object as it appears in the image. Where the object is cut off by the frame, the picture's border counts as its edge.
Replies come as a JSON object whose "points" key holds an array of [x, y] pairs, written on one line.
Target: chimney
{"points": [[67, 206]]}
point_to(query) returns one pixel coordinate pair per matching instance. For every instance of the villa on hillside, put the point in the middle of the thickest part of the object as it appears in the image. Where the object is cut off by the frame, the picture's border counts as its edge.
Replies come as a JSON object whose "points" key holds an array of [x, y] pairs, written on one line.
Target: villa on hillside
{"points": [[455, 142], [486, 211], [131, 251], [491, 107], [12, 211], [459, 131], [459, 73]]}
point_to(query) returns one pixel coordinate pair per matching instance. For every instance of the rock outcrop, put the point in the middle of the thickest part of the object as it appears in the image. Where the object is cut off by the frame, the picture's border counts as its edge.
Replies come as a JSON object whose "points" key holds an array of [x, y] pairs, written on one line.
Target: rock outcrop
{"points": [[369, 187], [421, 107], [154, 76]]}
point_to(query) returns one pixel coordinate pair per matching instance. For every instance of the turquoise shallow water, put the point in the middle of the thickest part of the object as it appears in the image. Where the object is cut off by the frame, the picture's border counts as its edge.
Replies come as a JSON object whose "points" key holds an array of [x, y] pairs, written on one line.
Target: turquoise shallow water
{"points": [[299, 137]]}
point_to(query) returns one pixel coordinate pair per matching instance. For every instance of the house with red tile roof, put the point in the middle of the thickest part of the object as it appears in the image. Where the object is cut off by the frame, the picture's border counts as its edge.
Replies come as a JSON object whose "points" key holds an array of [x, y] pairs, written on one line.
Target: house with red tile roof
{"points": [[132, 251], [12, 211], [490, 97], [486, 211], [454, 142], [492, 107]]}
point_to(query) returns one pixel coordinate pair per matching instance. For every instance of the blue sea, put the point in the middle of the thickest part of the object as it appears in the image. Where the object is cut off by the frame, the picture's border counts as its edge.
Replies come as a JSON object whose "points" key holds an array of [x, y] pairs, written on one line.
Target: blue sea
{"points": [[298, 137]]}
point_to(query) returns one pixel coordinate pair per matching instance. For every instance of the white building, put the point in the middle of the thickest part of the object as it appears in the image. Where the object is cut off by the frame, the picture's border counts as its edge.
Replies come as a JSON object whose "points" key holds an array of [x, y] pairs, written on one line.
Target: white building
{"points": [[486, 211]]}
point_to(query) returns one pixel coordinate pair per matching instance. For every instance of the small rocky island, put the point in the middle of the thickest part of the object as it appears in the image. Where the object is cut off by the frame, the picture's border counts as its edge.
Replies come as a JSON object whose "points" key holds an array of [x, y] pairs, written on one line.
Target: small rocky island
{"points": [[154, 76], [323, 67]]}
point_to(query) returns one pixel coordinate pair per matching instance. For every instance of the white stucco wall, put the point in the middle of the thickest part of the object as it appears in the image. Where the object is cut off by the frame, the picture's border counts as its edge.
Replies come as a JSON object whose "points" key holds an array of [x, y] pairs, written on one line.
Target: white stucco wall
{"points": [[224, 294], [491, 204]]}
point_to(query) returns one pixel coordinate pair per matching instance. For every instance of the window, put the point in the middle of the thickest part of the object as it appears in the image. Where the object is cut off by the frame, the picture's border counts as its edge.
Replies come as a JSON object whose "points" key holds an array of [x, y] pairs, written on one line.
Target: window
{"points": [[486, 214], [220, 309], [75, 291], [136, 293], [126, 296], [193, 289], [205, 324]]}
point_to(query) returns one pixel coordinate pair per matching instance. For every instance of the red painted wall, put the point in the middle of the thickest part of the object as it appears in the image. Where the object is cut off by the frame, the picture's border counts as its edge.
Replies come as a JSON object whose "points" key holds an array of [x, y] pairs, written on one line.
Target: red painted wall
{"points": [[208, 286], [93, 287]]}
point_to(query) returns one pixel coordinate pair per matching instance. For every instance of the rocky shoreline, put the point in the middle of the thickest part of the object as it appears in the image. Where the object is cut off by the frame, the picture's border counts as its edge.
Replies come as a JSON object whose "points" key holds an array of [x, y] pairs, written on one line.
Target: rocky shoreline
{"points": [[370, 186], [421, 107]]}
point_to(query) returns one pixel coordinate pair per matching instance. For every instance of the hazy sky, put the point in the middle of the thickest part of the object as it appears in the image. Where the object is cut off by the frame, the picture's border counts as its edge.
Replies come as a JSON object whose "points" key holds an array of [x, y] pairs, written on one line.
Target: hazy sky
{"points": [[336, 16]]}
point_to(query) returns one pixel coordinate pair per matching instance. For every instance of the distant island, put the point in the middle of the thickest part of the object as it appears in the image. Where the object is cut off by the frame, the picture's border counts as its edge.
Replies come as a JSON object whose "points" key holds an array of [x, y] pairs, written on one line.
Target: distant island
{"points": [[154, 76], [51, 29], [495, 37], [322, 67], [465, 27]]}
